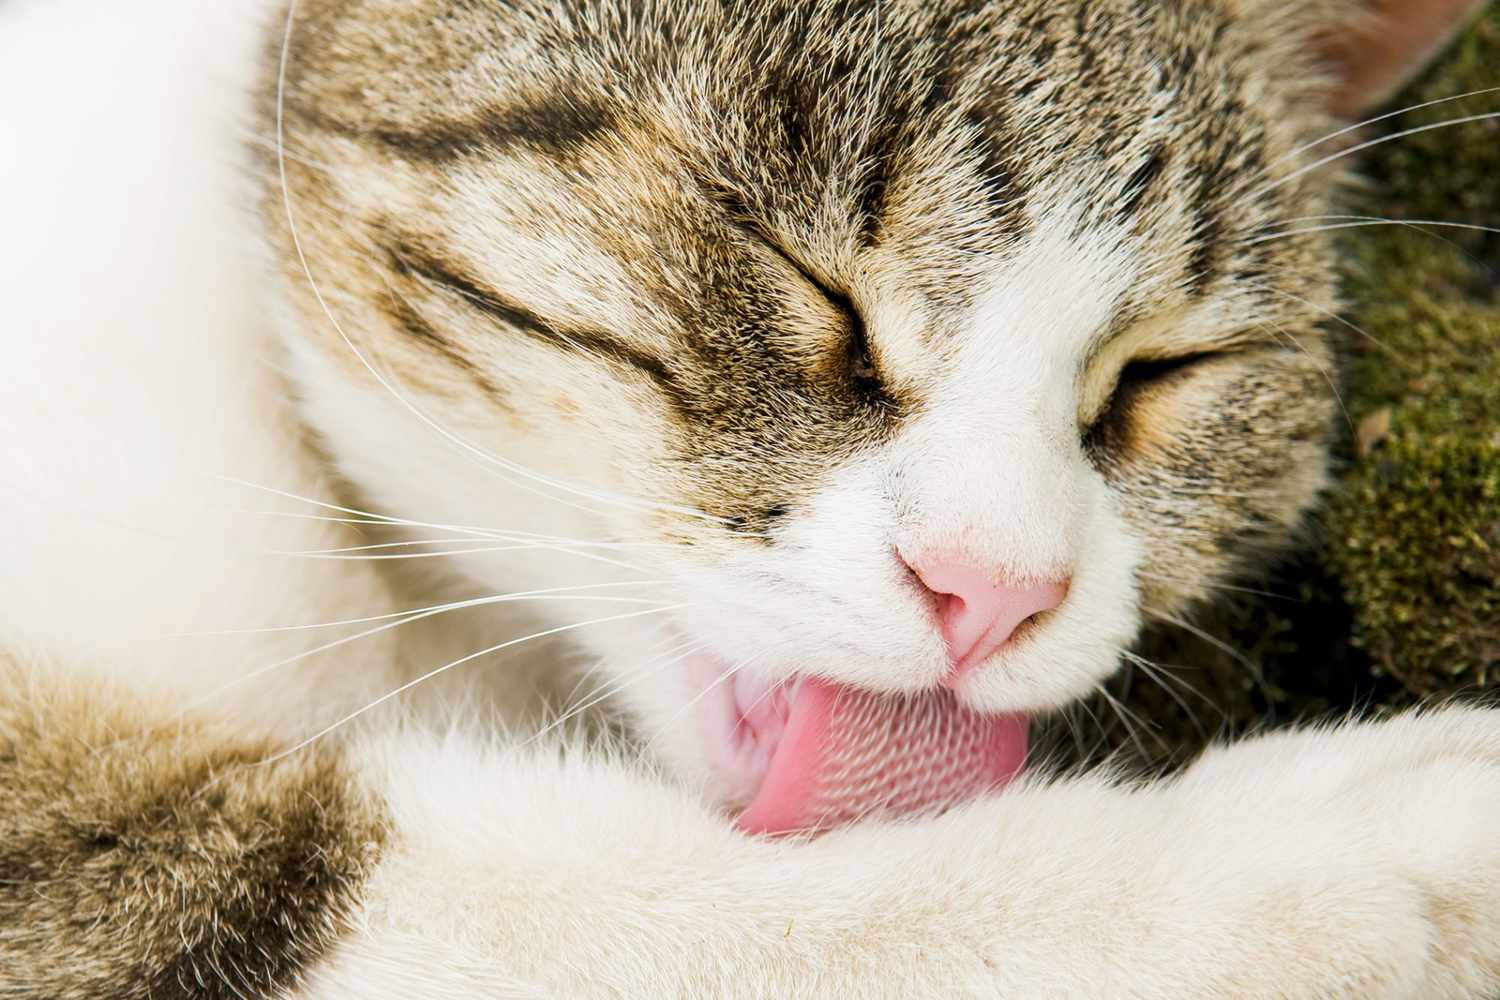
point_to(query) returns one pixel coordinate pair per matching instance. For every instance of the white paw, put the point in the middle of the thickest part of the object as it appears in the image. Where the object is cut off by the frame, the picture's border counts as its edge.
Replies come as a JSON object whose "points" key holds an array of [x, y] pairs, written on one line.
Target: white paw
{"points": [[1388, 835]]}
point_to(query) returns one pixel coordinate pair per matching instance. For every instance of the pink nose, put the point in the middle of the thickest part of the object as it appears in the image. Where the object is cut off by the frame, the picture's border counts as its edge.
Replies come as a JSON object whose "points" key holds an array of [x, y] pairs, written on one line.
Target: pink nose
{"points": [[977, 615]]}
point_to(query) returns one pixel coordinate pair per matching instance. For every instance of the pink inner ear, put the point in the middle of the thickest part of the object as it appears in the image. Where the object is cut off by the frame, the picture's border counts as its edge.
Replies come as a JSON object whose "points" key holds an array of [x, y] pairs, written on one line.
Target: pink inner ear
{"points": [[1387, 45]]}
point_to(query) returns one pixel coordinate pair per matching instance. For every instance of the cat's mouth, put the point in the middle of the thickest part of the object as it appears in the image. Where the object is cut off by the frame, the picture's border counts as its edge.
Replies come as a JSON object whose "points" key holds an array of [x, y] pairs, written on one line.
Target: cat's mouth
{"points": [[809, 754]]}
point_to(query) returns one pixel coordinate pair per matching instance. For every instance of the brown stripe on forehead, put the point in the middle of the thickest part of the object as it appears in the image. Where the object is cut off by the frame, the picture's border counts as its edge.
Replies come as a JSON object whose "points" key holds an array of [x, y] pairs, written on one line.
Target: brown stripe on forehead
{"points": [[870, 204], [412, 259], [1208, 233], [1142, 182], [142, 855], [553, 126], [1238, 162], [997, 173]]}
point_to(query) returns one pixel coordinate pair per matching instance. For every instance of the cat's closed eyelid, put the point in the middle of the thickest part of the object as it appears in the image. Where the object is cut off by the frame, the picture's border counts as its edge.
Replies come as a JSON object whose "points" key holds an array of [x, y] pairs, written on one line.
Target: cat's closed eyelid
{"points": [[861, 361], [1154, 369], [1142, 374], [838, 301]]}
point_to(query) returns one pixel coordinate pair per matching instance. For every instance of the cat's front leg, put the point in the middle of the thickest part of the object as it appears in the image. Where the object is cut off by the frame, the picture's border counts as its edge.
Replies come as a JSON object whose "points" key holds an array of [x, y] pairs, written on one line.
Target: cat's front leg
{"points": [[1359, 862]]}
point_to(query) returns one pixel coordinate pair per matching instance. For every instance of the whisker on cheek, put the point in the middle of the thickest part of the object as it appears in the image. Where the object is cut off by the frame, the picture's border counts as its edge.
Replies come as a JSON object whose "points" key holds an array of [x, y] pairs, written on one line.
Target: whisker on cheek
{"points": [[354, 514], [664, 636], [1355, 127], [401, 618], [1132, 723], [566, 545], [581, 549], [1359, 222], [1281, 331], [652, 669], [724, 676], [1256, 674], [414, 613], [453, 664], [524, 543], [1368, 144], [1210, 585], [1335, 317], [1163, 679]]}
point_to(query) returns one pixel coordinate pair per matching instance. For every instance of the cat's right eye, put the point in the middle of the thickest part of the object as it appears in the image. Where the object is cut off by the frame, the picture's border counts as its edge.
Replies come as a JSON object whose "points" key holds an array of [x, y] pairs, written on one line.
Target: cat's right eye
{"points": [[861, 363], [859, 359]]}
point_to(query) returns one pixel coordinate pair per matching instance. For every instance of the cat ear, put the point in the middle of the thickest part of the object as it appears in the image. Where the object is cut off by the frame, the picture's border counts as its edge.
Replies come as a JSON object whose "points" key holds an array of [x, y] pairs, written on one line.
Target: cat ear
{"points": [[1381, 44]]}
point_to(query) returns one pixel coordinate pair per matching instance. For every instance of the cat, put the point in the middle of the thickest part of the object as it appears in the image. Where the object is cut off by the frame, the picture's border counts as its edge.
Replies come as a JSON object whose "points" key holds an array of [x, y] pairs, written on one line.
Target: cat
{"points": [[591, 504]]}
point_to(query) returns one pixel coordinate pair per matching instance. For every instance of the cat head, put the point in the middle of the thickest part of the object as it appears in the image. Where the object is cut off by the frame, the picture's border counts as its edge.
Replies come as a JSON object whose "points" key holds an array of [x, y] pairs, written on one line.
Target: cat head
{"points": [[912, 346]]}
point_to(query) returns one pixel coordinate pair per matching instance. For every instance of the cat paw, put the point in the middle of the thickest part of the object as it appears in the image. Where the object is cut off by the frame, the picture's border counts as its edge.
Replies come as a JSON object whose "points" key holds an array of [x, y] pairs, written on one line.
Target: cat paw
{"points": [[1389, 837]]}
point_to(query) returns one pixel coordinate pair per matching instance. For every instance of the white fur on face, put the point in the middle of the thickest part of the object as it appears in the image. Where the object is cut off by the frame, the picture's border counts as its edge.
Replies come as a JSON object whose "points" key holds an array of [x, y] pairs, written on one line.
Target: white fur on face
{"points": [[992, 470]]}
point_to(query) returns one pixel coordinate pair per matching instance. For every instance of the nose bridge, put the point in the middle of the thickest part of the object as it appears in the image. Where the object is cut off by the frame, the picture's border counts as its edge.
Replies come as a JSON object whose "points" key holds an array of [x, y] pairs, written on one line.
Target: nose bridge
{"points": [[1003, 491]]}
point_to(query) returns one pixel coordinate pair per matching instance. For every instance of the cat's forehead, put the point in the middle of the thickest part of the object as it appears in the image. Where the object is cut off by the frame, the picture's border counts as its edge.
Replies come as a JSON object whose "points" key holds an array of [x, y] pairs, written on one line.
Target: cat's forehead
{"points": [[720, 208], [944, 133], [665, 171]]}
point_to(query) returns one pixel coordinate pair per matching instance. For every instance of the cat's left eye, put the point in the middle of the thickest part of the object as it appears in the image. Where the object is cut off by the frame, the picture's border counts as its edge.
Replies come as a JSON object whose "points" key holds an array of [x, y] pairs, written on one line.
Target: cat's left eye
{"points": [[1142, 375], [1142, 372]]}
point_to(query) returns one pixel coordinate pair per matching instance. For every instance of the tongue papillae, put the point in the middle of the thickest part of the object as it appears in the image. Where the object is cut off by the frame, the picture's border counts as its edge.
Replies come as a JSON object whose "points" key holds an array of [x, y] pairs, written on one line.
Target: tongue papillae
{"points": [[846, 754]]}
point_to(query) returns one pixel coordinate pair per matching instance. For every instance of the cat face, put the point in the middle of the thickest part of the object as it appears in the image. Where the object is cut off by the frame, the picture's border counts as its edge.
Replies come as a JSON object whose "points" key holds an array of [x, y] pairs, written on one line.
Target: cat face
{"points": [[911, 349]]}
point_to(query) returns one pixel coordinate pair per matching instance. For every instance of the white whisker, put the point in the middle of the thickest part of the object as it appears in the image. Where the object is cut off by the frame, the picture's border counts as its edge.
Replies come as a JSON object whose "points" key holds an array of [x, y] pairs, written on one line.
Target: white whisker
{"points": [[1331, 315], [1214, 641], [1126, 716], [364, 516], [663, 638], [1160, 675], [451, 664], [1378, 118], [243, 679], [1381, 140], [724, 676], [527, 542], [472, 602], [392, 521], [1227, 587], [653, 668], [1282, 331], [1365, 222], [579, 550]]}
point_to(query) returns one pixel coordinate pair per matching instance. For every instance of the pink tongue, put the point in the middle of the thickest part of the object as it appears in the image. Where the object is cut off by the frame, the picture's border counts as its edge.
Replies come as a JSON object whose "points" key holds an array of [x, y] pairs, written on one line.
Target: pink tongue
{"points": [[847, 754]]}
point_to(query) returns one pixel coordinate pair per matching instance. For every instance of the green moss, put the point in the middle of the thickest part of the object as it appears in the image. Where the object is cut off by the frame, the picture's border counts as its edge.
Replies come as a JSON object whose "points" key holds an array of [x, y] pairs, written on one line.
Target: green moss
{"points": [[1418, 555], [1414, 531], [1398, 599]]}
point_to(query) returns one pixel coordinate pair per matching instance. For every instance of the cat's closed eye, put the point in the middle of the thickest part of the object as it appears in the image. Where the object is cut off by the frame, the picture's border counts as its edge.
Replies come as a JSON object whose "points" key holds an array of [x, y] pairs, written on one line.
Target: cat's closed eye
{"points": [[860, 361], [1139, 376], [859, 365], [1144, 372]]}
